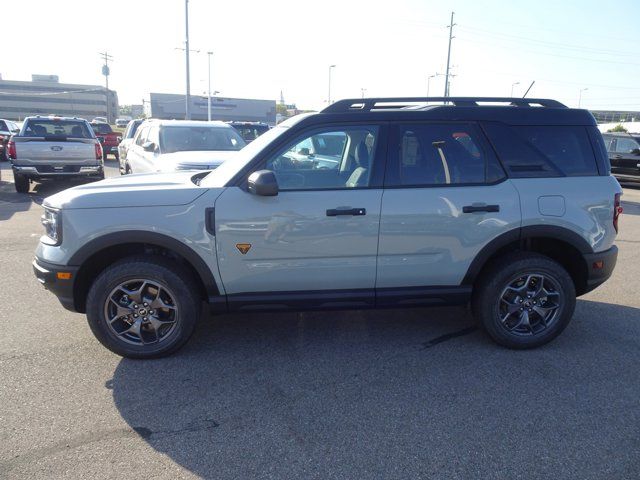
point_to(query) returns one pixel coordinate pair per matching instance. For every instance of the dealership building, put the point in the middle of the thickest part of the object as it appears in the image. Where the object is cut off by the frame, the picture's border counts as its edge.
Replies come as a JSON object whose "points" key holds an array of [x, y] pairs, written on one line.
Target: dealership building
{"points": [[172, 106], [45, 95]]}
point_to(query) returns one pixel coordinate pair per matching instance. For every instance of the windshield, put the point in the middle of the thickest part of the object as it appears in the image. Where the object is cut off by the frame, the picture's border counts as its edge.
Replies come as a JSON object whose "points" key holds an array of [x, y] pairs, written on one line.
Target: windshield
{"points": [[194, 138], [251, 132], [57, 128]]}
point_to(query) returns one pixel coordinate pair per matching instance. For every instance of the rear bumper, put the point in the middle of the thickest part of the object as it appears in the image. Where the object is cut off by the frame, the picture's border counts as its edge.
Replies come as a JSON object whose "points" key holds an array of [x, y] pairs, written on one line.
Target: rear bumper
{"points": [[51, 171], [47, 275], [600, 267]]}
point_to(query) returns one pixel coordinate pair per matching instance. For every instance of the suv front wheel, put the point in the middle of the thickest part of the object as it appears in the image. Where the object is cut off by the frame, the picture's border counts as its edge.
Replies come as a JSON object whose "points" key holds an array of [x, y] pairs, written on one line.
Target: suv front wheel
{"points": [[143, 307], [524, 300]]}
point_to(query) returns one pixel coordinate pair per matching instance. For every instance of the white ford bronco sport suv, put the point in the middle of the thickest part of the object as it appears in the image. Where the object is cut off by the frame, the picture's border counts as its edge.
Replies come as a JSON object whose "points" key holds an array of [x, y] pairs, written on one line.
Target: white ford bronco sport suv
{"points": [[508, 204]]}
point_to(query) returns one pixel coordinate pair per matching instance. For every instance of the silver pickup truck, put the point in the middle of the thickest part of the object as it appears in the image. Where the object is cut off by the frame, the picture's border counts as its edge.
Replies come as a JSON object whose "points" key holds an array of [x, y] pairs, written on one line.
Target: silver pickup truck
{"points": [[52, 148]]}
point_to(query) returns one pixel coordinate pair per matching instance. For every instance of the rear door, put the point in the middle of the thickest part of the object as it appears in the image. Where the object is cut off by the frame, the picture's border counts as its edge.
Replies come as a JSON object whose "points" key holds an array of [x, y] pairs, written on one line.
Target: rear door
{"points": [[445, 198], [135, 157], [318, 238], [625, 155]]}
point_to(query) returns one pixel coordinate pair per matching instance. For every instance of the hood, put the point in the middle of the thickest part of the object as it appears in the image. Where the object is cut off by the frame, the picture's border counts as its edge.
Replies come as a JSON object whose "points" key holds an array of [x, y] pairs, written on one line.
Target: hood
{"points": [[200, 160], [142, 190]]}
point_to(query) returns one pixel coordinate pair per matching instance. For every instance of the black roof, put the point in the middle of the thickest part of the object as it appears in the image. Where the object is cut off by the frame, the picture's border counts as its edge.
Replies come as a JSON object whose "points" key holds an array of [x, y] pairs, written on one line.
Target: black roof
{"points": [[512, 111]]}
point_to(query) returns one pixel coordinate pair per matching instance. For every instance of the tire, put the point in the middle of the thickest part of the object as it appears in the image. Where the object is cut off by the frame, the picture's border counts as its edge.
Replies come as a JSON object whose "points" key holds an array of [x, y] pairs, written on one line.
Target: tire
{"points": [[128, 170], [176, 313], [3, 154], [21, 183], [524, 300]]}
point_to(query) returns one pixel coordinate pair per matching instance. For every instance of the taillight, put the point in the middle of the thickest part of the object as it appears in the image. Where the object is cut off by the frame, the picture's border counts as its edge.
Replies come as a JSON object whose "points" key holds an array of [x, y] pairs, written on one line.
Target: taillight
{"points": [[98, 151], [12, 150], [617, 210]]}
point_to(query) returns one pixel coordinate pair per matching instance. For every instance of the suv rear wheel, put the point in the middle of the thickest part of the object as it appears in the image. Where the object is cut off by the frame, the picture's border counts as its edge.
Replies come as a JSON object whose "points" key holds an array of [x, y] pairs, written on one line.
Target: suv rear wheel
{"points": [[524, 300], [143, 307]]}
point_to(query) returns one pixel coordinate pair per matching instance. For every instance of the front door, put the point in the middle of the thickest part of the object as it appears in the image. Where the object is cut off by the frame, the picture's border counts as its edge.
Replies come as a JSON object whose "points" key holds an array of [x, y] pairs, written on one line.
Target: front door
{"points": [[316, 241], [443, 201]]}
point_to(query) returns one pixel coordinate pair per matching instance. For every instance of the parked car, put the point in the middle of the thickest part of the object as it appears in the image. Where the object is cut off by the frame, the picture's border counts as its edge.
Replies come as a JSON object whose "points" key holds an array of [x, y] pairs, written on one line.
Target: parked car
{"points": [[249, 131], [108, 138], [507, 206], [169, 145], [54, 148], [122, 122], [127, 140], [624, 154], [7, 128]]}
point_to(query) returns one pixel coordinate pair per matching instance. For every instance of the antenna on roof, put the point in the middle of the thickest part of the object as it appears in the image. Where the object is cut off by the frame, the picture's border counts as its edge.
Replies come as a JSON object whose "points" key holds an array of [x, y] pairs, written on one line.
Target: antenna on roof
{"points": [[525, 93]]}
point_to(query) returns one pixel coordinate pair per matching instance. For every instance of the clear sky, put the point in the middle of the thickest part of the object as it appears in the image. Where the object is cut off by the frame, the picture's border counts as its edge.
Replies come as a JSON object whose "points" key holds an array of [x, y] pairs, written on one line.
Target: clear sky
{"points": [[387, 47]]}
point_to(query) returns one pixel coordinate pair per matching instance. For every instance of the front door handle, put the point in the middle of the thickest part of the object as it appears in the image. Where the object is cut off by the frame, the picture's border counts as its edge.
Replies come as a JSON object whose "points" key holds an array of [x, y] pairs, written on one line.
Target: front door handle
{"points": [[334, 212], [480, 208]]}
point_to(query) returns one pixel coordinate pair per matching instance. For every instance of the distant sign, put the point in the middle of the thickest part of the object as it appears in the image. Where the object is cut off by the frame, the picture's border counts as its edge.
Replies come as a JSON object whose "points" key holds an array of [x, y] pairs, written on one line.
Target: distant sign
{"points": [[105, 70]]}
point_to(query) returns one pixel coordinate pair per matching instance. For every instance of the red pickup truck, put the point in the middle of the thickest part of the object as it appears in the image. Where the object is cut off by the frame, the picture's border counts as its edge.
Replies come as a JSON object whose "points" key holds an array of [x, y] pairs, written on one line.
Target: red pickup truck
{"points": [[108, 138]]}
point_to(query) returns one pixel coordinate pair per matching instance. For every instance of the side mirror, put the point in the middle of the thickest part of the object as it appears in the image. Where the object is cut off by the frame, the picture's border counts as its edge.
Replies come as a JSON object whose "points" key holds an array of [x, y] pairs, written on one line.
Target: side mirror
{"points": [[263, 183], [304, 151], [101, 140], [636, 151], [15, 130], [149, 147]]}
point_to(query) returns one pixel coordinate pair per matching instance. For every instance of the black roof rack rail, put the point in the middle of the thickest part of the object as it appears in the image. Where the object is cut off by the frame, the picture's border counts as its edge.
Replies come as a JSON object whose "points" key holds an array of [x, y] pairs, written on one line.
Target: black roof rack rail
{"points": [[387, 103]]}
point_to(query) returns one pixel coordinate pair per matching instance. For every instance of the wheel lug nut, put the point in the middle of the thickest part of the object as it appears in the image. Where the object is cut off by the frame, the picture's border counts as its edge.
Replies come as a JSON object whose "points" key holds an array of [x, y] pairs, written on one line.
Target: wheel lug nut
{"points": [[529, 309], [145, 304], [135, 315]]}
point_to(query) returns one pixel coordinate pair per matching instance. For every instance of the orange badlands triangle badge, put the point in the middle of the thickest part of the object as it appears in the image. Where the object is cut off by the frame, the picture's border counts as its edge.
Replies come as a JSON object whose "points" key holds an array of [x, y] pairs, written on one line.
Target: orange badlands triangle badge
{"points": [[243, 248]]}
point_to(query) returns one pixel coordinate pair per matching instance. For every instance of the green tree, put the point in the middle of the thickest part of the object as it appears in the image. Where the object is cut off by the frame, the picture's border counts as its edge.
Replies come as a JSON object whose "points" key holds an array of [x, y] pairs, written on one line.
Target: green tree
{"points": [[618, 128]]}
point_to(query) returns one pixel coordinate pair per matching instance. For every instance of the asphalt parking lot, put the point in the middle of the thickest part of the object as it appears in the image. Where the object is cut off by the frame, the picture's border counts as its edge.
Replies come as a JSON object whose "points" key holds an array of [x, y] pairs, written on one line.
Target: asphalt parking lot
{"points": [[357, 395]]}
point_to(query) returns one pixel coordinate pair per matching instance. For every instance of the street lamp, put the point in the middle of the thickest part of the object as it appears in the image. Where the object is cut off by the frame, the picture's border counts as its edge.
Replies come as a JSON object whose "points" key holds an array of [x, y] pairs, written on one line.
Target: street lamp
{"points": [[580, 96], [209, 87], [513, 85], [363, 91], [429, 81], [329, 95]]}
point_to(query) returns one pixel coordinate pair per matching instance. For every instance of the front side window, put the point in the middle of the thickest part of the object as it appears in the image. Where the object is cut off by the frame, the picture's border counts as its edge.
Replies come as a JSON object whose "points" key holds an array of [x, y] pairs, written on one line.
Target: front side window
{"points": [[330, 159], [440, 154], [141, 138]]}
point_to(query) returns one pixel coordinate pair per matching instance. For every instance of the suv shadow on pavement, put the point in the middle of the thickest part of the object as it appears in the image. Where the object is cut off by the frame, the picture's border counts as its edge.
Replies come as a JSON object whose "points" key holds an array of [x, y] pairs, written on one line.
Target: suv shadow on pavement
{"points": [[390, 394]]}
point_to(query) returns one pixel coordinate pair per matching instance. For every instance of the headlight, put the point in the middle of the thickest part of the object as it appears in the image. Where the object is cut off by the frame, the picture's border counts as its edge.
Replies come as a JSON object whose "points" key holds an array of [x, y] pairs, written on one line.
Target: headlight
{"points": [[52, 225]]}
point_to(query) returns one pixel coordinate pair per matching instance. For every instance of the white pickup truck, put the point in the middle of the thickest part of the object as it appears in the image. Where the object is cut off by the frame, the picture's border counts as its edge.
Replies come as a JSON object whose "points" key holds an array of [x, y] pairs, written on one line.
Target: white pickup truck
{"points": [[52, 148]]}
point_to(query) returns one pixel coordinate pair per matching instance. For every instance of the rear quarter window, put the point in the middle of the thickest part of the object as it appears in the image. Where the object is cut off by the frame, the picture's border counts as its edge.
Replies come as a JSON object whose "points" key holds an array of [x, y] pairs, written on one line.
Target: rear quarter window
{"points": [[543, 150]]}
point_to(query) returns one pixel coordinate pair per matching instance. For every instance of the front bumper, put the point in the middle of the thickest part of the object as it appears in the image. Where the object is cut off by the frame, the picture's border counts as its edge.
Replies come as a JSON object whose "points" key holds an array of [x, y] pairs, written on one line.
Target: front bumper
{"points": [[600, 267], [53, 278]]}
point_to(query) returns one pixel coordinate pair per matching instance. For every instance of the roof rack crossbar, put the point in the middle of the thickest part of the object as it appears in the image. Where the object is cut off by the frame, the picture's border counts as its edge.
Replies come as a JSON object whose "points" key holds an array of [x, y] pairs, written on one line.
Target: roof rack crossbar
{"points": [[368, 104]]}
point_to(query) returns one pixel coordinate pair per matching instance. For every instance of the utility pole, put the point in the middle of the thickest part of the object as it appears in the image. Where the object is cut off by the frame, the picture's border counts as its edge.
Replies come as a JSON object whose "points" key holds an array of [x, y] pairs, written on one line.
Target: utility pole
{"points": [[451, 37], [105, 71], [187, 111], [209, 88]]}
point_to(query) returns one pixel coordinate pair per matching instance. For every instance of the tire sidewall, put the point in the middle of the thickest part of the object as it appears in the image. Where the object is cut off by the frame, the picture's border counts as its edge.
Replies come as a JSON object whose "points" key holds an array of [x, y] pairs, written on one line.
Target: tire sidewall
{"points": [[119, 273], [500, 278]]}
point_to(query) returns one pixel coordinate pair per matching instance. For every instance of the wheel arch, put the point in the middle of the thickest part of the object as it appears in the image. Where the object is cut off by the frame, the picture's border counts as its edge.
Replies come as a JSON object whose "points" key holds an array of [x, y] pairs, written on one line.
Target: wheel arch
{"points": [[101, 252], [559, 243]]}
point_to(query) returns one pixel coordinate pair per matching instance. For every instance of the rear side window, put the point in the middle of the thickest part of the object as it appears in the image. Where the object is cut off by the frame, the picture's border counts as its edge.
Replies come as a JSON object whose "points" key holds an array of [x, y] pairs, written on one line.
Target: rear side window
{"points": [[57, 128], [441, 154], [543, 151]]}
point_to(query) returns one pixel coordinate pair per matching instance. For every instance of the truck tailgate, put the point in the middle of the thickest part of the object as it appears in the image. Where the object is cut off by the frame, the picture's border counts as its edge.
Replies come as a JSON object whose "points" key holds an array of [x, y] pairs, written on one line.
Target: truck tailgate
{"points": [[39, 150]]}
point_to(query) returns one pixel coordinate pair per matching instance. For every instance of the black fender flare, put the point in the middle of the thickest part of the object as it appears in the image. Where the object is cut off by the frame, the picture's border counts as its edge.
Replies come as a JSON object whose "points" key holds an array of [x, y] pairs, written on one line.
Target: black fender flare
{"points": [[518, 235], [151, 238]]}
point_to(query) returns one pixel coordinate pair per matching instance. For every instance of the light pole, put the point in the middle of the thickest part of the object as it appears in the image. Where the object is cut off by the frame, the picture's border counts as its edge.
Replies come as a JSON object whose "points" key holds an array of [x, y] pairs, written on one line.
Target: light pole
{"points": [[187, 106], [209, 87], [580, 96], [363, 91], [513, 85], [329, 95], [429, 81]]}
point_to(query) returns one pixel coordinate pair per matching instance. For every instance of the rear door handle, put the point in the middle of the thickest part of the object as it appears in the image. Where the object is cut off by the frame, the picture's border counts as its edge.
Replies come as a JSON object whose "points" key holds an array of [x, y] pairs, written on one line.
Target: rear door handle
{"points": [[334, 212], [480, 208]]}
